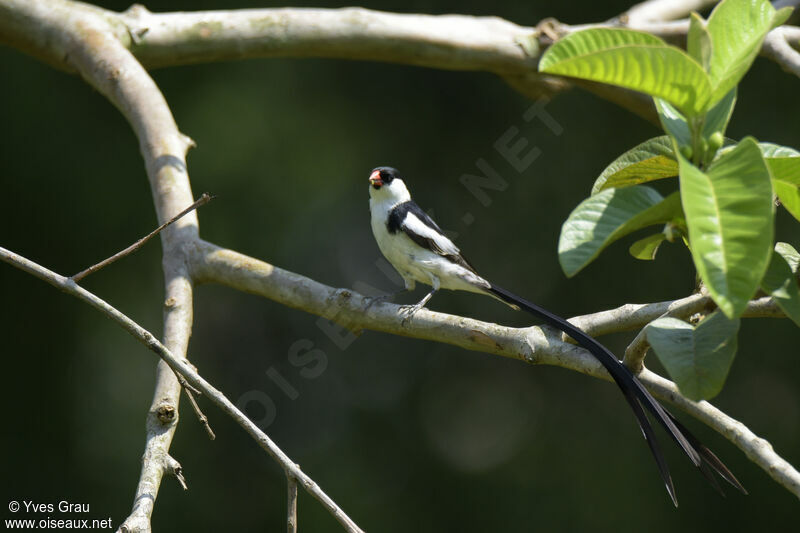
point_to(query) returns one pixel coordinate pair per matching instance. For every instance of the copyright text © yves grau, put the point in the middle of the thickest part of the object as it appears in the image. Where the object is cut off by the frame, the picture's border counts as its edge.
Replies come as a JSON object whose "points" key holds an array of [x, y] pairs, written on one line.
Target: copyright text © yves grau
{"points": [[51, 515]]}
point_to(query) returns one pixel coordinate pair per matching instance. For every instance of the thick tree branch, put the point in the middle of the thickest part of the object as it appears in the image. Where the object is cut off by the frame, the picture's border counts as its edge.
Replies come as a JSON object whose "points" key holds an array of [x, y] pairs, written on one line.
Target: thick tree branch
{"points": [[453, 42], [782, 45], [180, 365], [662, 10], [534, 345]]}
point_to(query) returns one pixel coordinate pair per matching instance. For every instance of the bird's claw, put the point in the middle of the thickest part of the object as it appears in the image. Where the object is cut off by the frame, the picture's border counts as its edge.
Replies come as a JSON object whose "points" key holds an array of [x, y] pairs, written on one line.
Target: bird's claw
{"points": [[408, 311]]}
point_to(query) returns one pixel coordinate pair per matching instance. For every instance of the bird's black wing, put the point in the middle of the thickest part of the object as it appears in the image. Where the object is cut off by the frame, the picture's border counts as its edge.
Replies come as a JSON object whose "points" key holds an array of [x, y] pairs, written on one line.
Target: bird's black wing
{"points": [[409, 218]]}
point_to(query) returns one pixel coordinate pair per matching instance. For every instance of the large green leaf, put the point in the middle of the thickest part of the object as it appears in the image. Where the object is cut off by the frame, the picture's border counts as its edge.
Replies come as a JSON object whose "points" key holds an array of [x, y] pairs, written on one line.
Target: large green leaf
{"points": [[786, 181], [651, 160], [634, 60], [737, 29], [607, 216], [780, 281], [697, 358], [729, 214]]}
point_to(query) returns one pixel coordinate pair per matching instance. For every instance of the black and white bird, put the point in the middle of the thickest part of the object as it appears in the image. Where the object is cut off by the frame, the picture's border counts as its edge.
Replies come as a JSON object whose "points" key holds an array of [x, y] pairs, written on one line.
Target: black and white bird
{"points": [[421, 252]]}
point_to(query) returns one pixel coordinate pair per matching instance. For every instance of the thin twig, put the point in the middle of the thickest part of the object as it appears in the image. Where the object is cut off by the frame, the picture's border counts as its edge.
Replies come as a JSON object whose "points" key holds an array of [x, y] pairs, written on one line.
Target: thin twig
{"points": [[203, 200], [174, 468], [291, 512], [190, 393], [629, 317], [181, 366]]}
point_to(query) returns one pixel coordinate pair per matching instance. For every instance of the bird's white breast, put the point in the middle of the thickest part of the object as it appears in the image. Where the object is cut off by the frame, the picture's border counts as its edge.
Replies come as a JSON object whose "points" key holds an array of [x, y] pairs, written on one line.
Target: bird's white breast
{"points": [[415, 263]]}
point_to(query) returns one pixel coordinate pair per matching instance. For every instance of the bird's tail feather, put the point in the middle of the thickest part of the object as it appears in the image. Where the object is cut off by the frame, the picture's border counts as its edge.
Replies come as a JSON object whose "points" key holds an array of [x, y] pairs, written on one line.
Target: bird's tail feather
{"points": [[637, 396]]}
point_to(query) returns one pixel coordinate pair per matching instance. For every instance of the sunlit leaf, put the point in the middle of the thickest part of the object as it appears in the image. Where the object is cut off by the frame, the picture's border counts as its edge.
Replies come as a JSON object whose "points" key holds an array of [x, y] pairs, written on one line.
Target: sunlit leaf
{"points": [[633, 60], [651, 160], [789, 253], [698, 42], [786, 181], [729, 213], [772, 150], [737, 29]]}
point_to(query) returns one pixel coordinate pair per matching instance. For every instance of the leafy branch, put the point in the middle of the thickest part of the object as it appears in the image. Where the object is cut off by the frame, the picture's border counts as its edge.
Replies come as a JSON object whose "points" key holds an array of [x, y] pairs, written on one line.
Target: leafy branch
{"points": [[724, 208]]}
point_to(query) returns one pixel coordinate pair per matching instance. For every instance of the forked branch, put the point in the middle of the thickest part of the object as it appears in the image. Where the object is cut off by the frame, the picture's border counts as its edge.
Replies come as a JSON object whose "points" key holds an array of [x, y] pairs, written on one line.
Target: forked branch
{"points": [[181, 366]]}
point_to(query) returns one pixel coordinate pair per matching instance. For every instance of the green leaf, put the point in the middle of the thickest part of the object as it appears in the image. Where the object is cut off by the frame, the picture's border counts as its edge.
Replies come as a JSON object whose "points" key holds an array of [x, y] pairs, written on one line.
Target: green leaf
{"points": [[674, 123], [646, 249], [729, 214], [652, 160], [634, 60], [780, 282], [737, 29], [607, 216], [582, 42], [786, 181], [788, 252], [768, 150], [717, 118], [698, 42], [782, 162], [785, 169], [772, 151], [697, 358]]}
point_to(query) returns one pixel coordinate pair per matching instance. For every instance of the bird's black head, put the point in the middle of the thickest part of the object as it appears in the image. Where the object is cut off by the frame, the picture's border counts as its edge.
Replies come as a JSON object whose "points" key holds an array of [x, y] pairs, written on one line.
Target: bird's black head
{"points": [[383, 176]]}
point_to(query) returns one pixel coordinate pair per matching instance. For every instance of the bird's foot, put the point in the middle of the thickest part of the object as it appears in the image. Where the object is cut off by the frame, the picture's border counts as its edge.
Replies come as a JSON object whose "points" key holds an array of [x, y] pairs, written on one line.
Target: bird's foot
{"points": [[408, 311]]}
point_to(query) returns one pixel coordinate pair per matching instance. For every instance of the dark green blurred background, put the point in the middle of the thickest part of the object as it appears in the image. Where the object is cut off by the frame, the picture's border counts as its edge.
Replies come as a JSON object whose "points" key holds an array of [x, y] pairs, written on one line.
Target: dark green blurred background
{"points": [[405, 435]]}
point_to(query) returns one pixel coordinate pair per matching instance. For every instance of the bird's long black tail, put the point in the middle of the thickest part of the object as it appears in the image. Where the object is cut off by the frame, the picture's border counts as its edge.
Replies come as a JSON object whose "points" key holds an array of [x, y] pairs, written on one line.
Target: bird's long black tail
{"points": [[637, 396]]}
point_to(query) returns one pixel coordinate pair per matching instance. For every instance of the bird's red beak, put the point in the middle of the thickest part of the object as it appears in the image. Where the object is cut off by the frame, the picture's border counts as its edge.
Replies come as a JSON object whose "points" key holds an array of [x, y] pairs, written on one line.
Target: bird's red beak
{"points": [[375, 179]]}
